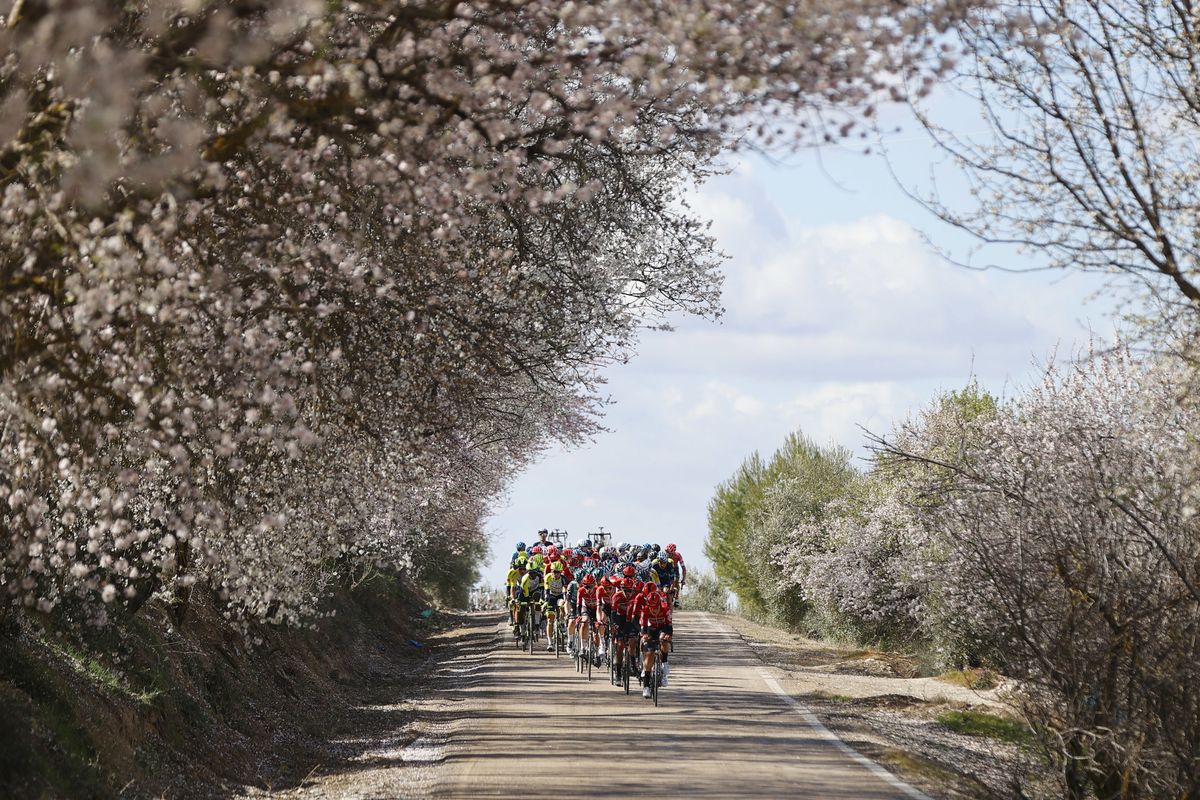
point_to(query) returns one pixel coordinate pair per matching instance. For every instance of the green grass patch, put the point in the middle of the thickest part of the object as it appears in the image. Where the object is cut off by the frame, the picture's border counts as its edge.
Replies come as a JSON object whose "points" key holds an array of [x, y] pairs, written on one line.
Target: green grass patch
{"points": [[979, 723], [977, 679], [913, 764], [101, 674]]}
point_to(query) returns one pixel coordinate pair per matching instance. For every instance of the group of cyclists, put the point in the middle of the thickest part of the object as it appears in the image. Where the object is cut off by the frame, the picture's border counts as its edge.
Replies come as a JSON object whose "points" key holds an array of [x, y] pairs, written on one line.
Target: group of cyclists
{"points": [[615, 600]]}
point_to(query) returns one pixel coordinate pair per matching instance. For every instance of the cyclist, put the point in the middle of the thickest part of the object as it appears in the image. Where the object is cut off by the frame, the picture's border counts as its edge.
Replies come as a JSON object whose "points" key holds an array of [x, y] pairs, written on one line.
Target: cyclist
{"points": [[544, 540], [677, 559], [603, 592], [573, 612], [622, 625], [555, 588], [531, 594], [588, 611], [513, 584], [664, 567], [655, 621]]}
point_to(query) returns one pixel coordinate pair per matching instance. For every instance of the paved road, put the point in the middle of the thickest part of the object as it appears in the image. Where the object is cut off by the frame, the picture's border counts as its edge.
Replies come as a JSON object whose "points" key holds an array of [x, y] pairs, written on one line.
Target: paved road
{"points": [[720, 730]]}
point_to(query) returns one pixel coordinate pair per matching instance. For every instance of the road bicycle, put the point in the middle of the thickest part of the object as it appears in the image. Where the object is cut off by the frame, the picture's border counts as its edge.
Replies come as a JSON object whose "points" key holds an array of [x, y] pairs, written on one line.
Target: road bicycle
{"points": [[531, 627], [655, 674], [560, 632], [521, 633]]}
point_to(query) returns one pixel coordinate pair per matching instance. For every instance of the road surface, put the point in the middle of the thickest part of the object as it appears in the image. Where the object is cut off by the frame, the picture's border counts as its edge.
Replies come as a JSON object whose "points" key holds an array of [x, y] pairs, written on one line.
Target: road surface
{"points": [[723, 728]]}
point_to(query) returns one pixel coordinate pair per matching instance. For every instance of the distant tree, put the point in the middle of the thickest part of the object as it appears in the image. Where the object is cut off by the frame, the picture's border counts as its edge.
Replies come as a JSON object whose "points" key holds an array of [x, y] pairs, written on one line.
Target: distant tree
{"points": [[733, 505]]}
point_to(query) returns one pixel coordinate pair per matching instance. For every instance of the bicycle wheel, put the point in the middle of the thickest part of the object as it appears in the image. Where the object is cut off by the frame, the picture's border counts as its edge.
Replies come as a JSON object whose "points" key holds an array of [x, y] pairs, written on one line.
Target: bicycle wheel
{"points": [[628, 670], [591, 656], [529, 631], [654, 677], [557, 628]]}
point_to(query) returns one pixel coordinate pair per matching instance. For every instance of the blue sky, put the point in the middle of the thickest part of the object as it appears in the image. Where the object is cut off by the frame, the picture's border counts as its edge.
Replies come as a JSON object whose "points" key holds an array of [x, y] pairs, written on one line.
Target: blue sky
{"points": [[839, 315]]}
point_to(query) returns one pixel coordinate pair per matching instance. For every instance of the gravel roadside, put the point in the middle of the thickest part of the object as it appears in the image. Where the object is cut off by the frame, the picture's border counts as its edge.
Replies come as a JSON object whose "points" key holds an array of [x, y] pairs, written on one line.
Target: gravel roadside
{"points": [[876, 704]]}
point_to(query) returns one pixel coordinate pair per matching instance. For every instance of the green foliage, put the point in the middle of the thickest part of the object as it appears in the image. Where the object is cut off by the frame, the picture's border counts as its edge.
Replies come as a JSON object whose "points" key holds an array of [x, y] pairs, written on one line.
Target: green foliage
{"points": [[705, 593], [448, 576], [729, 513], [808, 480], [806, 540], [979, 723], [757, 510]]}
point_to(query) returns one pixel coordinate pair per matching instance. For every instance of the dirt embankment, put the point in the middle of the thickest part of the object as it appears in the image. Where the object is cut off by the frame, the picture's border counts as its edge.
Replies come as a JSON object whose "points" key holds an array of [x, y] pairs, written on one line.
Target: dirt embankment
{"points": [[141, 708], [955, 735]]}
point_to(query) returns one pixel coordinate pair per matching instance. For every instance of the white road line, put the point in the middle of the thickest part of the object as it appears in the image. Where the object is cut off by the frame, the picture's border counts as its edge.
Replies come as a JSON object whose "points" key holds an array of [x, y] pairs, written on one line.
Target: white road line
{"points": [[819, 727], [833, 739]]}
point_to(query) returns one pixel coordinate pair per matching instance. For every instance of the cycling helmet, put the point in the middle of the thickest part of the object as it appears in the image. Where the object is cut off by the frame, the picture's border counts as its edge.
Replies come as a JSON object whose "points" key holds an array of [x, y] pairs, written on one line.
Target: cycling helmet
{"points": [[586, 543], [627, 583], [520, 545], [536, 549], [670, 548], [629, 571], [589, 579], [520, 565], [655, 547], [552, 550], [567, 553], [557, 566]]}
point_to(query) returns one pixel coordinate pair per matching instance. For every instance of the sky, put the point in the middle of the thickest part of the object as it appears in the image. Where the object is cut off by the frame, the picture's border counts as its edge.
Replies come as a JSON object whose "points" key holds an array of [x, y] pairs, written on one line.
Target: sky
{"points": [[840, 316]]}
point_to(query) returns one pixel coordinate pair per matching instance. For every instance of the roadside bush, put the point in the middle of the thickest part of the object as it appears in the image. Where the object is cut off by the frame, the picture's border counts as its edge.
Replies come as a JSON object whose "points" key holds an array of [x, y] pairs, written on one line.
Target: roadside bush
{"points": [[705, 593], [1072, 545]]}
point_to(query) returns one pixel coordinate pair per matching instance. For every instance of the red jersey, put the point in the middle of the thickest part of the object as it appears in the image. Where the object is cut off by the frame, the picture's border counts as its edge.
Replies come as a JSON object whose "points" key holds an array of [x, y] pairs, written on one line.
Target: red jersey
{"points": [[611, 585], [654, 615], [639, 601], [603, 590], [586, 596], [620, 602]]}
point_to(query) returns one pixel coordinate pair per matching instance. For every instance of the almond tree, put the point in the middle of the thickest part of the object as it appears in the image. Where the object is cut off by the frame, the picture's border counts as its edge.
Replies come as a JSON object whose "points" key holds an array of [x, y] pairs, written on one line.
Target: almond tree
{"points": [[287, 283]]}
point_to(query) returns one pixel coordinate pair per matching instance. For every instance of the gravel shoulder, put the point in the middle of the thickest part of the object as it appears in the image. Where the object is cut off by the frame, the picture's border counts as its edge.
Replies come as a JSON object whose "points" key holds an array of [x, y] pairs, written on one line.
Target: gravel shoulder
{"points": [[394, 741], [877, 705]]}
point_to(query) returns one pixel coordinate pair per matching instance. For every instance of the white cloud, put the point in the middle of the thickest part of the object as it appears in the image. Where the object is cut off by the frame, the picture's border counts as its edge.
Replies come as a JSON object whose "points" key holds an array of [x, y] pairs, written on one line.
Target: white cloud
{"points": [[860, 300], [839, 412]]}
